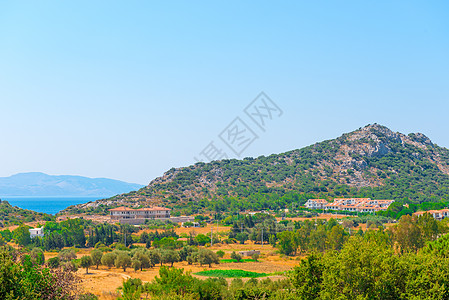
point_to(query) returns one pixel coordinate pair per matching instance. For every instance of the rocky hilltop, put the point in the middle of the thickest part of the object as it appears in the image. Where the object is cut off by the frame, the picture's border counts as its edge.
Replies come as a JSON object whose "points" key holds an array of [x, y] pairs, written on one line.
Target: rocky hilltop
{"points": [[372, 161]]}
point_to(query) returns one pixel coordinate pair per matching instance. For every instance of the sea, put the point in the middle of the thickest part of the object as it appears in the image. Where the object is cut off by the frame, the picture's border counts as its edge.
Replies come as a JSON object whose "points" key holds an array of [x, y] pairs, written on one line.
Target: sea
{"points": [[48, 205]]}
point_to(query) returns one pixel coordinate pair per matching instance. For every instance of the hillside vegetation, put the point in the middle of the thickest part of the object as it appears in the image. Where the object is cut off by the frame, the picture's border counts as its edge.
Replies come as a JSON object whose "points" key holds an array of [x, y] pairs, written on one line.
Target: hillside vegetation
{"points": [[13, 215], [370, 162]]}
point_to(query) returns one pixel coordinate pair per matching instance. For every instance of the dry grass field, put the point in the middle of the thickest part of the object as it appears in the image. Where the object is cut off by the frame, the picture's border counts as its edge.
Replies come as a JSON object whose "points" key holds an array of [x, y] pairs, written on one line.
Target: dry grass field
{"points": [[104, 282]]}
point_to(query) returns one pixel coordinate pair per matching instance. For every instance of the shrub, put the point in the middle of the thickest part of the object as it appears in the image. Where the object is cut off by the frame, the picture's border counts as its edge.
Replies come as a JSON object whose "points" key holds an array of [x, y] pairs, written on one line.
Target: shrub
{"points": [[67, 255], [53, 262], [37, 255], [236, 256]]}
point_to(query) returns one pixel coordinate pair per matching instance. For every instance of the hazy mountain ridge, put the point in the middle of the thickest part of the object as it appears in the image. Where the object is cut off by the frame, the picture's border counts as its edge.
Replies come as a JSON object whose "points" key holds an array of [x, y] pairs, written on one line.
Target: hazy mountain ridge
{"points": [[372, 161], [39, 184]]}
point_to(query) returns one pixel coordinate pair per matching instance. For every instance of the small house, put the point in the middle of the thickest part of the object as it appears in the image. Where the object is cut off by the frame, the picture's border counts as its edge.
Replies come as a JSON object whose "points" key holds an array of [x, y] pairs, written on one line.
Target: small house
{"points": [[34, 232]]}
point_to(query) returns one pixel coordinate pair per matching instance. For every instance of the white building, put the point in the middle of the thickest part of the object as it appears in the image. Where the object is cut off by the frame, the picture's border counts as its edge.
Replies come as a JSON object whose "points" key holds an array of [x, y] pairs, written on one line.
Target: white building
{"points": [[34, 232], [316, 203], [138, 216]]}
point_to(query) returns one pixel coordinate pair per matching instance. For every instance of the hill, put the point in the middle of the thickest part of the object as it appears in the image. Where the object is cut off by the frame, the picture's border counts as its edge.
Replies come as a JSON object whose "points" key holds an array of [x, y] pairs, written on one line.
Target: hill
{"points": [[370, 162], [40, 184], [10, 215]]}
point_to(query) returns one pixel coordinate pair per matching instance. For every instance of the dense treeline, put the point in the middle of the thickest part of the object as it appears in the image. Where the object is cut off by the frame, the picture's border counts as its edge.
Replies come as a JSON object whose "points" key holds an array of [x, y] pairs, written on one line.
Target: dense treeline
{"points": [[293, 238], [81, 233]]}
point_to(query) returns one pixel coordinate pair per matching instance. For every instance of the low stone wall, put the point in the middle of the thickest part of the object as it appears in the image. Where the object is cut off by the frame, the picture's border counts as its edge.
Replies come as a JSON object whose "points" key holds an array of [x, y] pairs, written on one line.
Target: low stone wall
{"points": [[249, 253], [182, 219]]}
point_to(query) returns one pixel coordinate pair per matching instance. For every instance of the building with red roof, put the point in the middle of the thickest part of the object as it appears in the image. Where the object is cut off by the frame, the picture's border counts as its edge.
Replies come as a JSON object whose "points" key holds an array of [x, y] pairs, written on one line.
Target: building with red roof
{"points": [[350, 204]]}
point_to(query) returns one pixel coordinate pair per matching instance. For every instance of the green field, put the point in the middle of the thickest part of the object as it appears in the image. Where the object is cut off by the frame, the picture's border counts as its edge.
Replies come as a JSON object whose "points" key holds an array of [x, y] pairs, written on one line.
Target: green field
{"points": [[231, 274]]}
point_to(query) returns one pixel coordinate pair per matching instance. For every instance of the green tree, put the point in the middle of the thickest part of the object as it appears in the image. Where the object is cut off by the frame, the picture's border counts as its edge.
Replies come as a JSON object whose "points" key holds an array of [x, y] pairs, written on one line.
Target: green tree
{"points": [[170, 256], [363, 269], [96, 255], [308, 277], [407, 234], [430, 227], [318, 239], [123, 260], [136, 264], [202, 239], [21, 235], [207, 257], [242, 237], [220, 253], [108, 259], [336, 237], [272, 240], [172, 281], [7, 235], [286, 243], [427, 276], [155, 257], [86, 262]]}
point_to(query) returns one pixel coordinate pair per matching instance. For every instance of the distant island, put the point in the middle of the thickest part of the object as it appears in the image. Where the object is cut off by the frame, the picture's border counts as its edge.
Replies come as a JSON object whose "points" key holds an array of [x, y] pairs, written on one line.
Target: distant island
{"points": [[36, 184]]}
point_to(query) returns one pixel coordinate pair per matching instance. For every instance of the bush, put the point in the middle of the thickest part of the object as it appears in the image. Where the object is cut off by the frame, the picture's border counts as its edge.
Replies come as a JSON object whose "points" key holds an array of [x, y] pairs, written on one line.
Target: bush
{"points": [[67, 255], [255, 256], [22, 279], [236, 256], [37, 255], [87, 297], [53, 262]]}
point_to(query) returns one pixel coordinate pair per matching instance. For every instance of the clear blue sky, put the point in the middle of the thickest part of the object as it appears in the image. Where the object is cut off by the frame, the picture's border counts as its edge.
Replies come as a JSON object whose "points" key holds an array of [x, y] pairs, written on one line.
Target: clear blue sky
{"points": [[127, 90]]}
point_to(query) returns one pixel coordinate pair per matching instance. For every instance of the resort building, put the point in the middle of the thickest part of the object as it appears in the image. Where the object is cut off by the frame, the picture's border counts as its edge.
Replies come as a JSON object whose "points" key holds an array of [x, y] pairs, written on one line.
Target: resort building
{"points": [[138, 216], [437, 214], [350, 204], [316, 203]]}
